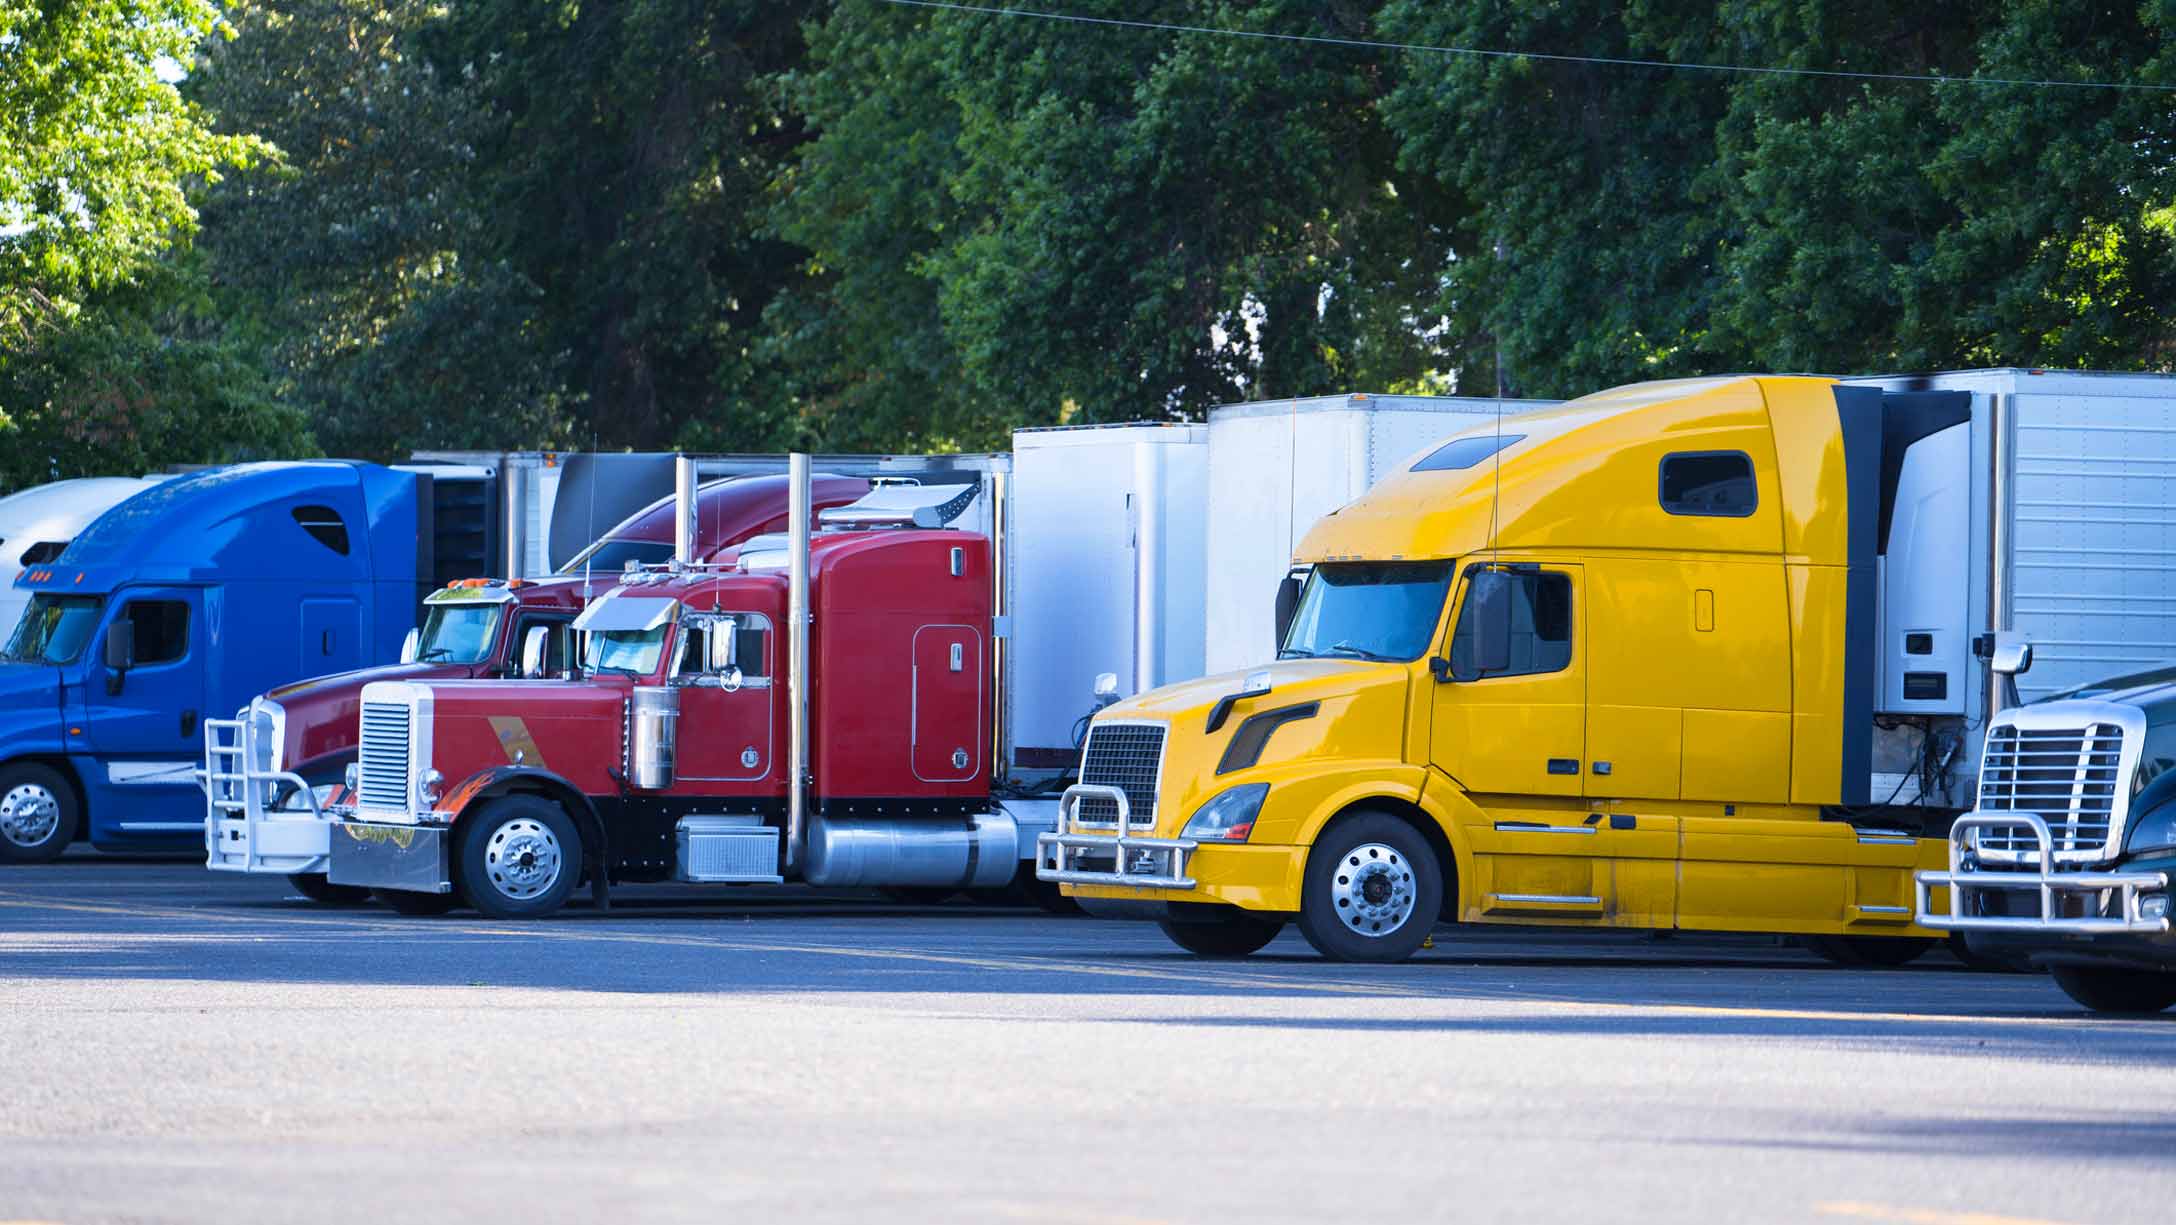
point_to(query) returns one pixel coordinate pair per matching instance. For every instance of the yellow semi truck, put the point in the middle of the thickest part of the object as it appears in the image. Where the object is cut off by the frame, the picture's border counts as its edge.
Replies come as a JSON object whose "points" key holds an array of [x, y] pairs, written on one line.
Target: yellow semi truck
{"points": [[1626, 662]]}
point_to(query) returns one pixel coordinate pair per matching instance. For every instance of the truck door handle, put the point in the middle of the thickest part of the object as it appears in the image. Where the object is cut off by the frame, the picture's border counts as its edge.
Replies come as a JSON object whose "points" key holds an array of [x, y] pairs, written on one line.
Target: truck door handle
{"points": [[188, 723], [1563, 765]]}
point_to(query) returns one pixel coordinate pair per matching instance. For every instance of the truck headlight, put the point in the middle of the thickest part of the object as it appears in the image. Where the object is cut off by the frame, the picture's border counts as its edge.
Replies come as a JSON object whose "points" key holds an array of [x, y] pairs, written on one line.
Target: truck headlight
{"points": [[1229, 817], [430, 787], [353, 777], [2153, 832]]}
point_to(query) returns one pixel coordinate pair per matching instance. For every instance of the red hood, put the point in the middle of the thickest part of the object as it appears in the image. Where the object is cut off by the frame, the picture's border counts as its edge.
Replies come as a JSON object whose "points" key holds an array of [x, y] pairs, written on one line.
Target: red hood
{"points": [[571, 728], [323, 713]]}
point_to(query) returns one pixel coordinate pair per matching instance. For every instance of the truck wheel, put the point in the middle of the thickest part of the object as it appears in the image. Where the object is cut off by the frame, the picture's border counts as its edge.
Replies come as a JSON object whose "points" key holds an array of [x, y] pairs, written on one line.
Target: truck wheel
{"points": [[519, 858], [1887, 951], [1222, 931], [39, 814], [2107, 990], [1372, 890], [425, 905], [315, 887]]}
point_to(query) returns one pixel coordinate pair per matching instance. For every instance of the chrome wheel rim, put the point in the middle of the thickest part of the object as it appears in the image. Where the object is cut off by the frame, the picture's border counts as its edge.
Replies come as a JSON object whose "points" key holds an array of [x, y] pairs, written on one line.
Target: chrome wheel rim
{"points": [[29, 813], [522, 858], [1373, 890]]}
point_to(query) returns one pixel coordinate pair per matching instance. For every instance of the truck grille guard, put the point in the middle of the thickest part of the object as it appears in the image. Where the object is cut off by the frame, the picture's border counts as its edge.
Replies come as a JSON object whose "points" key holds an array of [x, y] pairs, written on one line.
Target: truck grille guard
{"points": [[2051, 884], [243, 832], [1057, 854]]}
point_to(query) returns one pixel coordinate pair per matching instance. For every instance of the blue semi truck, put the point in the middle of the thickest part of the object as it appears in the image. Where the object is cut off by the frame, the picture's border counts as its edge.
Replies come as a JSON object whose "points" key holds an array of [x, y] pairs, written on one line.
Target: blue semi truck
{"points": [[188, 599]]}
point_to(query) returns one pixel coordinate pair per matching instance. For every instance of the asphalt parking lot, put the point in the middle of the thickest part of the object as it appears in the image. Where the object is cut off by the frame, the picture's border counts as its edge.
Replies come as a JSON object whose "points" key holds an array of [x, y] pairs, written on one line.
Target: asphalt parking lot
{"points": [[185, 1047]]}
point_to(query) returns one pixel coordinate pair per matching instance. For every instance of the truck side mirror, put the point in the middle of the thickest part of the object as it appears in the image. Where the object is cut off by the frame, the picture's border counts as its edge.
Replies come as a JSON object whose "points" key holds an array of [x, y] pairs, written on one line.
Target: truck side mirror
{"points": [[120, 652], [2011, 658], [1288, 607], [1489, 595], [725, 646], [411, 646], [1106, 689], [535, 644]]}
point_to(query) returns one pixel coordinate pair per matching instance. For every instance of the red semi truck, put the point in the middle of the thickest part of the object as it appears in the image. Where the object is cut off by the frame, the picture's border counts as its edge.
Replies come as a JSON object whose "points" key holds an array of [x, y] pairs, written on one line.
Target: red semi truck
{"points": [[472, 629], [805, 707]]}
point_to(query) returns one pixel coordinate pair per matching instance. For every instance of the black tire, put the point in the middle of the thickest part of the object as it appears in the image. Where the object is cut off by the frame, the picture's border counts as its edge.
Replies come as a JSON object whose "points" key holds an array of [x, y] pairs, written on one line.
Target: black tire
{"points": [[1887, 952], [422, 905], [40, 813], [519, 857], [315, 887], [2111, 990], [1230, 933], [1341, 912]]}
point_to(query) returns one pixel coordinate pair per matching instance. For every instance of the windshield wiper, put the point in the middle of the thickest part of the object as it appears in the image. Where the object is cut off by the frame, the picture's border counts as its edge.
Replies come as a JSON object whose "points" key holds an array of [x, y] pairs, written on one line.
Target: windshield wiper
{"points": [[441, 652], [1295, 653], [1346, 648]]}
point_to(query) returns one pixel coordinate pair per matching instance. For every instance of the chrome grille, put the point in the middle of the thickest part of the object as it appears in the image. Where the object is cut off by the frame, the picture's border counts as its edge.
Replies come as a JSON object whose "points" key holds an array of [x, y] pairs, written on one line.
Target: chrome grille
{"points": [[2070, 777], [1128, 756], [383, 756]]}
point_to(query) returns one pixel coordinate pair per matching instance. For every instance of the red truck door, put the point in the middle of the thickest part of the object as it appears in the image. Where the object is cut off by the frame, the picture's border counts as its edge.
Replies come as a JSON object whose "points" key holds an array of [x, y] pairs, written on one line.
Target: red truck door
{"points": [[948, 702], [726, 733]]}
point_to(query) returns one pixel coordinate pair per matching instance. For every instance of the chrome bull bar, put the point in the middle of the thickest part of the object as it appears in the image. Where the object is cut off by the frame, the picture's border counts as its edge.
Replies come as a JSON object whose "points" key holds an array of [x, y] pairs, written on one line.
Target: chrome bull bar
{"points": [[242, 831], [2048, 883], [1057, 851]]}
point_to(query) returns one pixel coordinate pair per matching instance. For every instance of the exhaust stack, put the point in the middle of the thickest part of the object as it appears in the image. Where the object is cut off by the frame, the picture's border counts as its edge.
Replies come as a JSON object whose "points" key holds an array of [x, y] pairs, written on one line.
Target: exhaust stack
{"points": [[683, 510], [798, 514]]}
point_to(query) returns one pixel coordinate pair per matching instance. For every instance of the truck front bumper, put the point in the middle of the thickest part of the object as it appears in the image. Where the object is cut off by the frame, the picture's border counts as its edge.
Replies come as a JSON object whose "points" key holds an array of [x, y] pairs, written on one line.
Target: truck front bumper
{"points": [[1067, 856], [384, 855], [2060, 902], [1110, 862]]}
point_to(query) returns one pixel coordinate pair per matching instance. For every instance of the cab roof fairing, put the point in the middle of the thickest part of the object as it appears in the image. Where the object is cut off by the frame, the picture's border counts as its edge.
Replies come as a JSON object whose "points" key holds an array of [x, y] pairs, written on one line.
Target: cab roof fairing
{"points": [[1584, 475]]}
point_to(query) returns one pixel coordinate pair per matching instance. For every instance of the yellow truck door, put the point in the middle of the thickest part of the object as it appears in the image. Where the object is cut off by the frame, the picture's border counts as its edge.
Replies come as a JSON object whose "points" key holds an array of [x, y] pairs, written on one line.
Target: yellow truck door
{"points": [[1514, 741]]}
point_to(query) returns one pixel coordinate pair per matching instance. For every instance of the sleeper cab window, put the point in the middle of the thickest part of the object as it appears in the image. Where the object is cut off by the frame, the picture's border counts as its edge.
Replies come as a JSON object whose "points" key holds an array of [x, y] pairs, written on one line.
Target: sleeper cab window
{"points": [[1716, 483], [325, 526], [1541, 627], [161, 630]]}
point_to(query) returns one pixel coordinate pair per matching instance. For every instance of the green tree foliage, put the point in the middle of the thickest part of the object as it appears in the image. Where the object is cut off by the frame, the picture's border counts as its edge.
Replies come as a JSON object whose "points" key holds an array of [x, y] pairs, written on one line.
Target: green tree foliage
{"points": [[1631, 222], [1016, 221], [95, 149], [847, 224], [368, 255], [151, 373], [625, 177]]}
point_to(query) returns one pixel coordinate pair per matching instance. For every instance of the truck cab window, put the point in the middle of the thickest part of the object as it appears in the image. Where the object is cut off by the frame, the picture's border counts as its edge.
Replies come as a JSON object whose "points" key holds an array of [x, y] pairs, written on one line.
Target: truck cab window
{"points": [[53, 630], [1709, 483], [458, 633], [1541, 628], [1368, 610], [162, 630], [702, 648], [325, 526]]}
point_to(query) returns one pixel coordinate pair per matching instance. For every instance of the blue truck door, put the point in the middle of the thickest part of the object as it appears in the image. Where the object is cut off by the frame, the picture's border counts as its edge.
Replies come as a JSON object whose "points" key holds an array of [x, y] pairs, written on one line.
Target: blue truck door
{"points": [[145, 740], [332, 636]]}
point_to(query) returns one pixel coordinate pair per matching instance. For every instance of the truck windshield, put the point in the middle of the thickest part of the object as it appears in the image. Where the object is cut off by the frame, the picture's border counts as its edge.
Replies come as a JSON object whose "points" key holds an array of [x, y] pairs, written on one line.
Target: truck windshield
{"points": [[53, 629], [635, 652], [459, 633], [1368, 610]]}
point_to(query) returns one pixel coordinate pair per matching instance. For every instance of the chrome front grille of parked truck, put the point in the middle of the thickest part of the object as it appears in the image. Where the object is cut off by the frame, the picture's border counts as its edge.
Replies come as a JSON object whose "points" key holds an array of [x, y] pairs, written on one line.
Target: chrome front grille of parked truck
{"points": [[384, 755], [1128, 757], [2069, 777]]}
